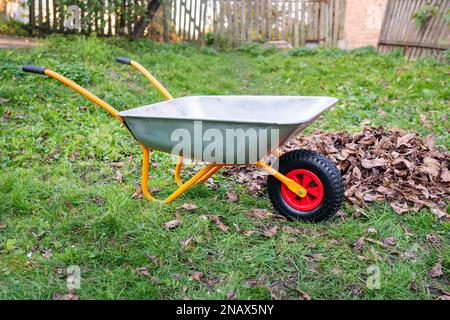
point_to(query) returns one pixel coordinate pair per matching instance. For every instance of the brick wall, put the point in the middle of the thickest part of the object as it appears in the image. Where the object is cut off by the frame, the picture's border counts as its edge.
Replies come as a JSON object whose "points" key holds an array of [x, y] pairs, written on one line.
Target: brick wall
{"points": [[363, 20]]}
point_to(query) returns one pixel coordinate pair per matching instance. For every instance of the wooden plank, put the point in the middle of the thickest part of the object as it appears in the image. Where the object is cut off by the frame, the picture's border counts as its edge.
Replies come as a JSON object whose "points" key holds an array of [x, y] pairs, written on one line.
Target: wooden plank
{"points": [[195, 33], [302, 24], [335, 22], [413, 44], [250, 21], [61, 15], [322, 23], [440, 26], [386, 20], [296, 24], [243, 22], [109, 18], [32, 17], [180, 18], [40, 15], [229, 24], [165, 19], [269, 19], [283, 19], [262, 14], [189, 14], [289, 35], [236, 23], [200, 22], [215, 25], [205, 9], [256, 7], [47, 15]]}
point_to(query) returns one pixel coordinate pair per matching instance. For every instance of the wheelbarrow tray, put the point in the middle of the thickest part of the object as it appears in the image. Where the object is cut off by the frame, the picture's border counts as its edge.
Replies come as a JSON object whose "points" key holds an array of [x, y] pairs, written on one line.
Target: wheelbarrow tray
{"points": [[155, 125]]}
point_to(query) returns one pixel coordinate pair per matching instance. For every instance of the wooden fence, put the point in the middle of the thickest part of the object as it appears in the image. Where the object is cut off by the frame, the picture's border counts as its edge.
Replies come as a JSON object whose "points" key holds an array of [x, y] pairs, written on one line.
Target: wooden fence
{"points": [[235, 22], [105, 17], [222, 22], [416, 27]]}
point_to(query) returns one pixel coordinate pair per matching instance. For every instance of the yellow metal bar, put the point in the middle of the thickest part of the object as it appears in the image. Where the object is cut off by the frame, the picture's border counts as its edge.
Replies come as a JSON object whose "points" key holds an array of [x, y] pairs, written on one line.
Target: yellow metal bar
{"points": [[178, 171], [176, 193], [166, 95], [210, 173], [291, 184], [152, 79], [84, 92]]}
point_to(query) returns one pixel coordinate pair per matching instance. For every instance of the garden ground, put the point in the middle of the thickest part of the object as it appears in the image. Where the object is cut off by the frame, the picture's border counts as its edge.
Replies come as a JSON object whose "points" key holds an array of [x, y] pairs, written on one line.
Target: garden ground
{"points": [[68, 171]]}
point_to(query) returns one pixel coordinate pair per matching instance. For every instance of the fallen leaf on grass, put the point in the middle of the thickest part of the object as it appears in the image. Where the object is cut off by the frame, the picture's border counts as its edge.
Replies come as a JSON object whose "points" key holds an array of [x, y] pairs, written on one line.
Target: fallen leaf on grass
{"points": [[444, 296], [271, 232], [424, 120], [119, 176], [259, 214], [289, 229], [172, 224], [436, 271], [197, 276], [359, 244], [137, 192], [68, 296], [246, 233], [432, 238], [276, 292], [231, 295], [116, 165], [314, 256], [304, 296], [186, 243], [356, 290], [47, 253], [218, 221], [389, 241], [155, 260], [189, 206], [73, 156], [143, 271], [155, 190], [413, 285], [42, 137], [333, 242], [232, 195], [2, 226]]}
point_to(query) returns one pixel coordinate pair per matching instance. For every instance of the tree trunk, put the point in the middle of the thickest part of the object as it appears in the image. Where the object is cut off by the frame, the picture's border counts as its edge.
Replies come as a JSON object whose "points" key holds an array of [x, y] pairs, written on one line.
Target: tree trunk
{"points": [[152, 7]]}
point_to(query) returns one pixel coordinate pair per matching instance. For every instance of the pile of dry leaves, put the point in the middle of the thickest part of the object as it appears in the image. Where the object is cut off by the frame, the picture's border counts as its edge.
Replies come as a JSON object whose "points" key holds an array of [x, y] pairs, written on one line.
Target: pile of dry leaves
{"points": [[377, 165]]}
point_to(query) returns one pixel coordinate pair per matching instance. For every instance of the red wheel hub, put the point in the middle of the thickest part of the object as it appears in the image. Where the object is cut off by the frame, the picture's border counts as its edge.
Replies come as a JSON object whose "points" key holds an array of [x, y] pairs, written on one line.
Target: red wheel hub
{"points": [[313, 186]]}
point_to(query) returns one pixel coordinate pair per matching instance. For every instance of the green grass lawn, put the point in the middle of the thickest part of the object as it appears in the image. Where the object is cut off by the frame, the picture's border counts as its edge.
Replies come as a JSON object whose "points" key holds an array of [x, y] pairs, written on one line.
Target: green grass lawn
{"points": [[60, 204]]}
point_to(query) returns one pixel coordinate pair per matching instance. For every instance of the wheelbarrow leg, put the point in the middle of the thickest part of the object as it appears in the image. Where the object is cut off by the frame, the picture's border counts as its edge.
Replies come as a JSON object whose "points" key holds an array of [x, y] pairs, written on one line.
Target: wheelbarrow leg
{"points": [[176, 193], [178, 171], [210, 173], [166, 95], [202, 180]]}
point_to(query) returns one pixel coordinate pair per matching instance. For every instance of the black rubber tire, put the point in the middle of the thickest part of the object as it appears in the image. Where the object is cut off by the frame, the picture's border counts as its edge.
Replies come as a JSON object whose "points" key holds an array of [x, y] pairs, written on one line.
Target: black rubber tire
{"points": [[324, 169]]}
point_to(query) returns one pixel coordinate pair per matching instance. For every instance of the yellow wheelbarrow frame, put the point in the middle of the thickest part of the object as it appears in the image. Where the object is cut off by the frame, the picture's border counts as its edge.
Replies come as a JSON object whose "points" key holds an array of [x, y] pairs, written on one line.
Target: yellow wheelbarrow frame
{"points": [[199, 177]]}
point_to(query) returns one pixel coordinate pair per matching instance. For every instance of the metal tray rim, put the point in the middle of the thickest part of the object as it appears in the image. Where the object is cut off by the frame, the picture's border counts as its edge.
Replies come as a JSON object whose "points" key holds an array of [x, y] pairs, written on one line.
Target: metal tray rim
{"points": [[331, 103]]}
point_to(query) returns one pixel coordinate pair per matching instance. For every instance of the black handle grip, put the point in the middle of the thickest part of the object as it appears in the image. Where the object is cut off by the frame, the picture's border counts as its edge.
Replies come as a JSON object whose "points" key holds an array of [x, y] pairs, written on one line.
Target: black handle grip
{"points": [[34, 69], [123, 60]]}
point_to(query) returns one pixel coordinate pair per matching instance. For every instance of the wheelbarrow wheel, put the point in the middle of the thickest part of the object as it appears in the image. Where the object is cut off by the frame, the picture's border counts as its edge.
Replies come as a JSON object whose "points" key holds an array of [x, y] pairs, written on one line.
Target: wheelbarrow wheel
{"points": [[321, 179]]}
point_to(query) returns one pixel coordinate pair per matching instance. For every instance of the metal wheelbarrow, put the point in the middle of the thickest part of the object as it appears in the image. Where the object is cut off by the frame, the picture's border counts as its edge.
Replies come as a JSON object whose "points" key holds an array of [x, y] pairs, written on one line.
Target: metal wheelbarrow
{"points": [[233, 130]]}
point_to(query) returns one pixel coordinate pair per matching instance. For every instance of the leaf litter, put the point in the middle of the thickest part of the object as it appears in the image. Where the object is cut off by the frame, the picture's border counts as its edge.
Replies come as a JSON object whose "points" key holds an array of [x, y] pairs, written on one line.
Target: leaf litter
{"points": [[394, 165]]}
